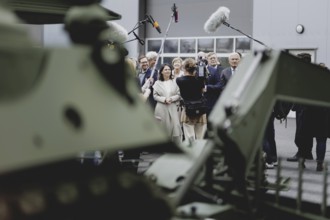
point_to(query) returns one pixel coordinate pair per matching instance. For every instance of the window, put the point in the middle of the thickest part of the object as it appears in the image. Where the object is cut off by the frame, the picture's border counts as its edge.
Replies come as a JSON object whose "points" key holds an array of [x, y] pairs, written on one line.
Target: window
{"points": [[243, 44], [168, 60], [154, 45], [224, 45], [206, 45], [189, 47], [171, 46]]}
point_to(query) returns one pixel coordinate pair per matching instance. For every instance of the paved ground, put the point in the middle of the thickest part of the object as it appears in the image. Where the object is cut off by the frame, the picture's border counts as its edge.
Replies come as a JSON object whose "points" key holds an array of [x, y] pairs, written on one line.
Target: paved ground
{"points": [[312, 181], [284, 135]]}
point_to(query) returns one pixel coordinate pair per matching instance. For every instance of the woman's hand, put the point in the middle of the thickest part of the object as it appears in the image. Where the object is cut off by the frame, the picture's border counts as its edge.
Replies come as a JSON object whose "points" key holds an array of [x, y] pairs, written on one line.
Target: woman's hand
{"points": [[168, 100]]}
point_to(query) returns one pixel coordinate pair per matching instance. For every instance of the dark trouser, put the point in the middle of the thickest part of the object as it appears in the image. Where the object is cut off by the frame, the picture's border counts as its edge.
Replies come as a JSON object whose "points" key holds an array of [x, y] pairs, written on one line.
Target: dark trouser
{"points": [[269, 143], [304, 144], [321, 145], [303, 141]]}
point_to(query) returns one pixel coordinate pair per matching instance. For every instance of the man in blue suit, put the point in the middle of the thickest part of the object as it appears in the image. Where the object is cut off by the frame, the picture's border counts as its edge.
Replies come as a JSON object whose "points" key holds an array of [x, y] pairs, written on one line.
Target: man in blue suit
{"points": [[213, 86]]}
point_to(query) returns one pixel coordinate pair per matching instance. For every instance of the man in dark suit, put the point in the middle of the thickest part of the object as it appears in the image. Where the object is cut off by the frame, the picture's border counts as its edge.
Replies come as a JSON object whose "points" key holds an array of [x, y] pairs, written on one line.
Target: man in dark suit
{"points": [[303, 141], [227, 73], [213, 86], [144, 77], [311, 121]]}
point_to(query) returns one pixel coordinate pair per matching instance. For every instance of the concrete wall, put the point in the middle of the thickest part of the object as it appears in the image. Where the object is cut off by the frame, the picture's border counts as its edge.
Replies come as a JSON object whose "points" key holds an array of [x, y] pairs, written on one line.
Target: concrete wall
{"points": [[54, 35], [129, 9], [274, 22], [192, 16], [194, 13]]}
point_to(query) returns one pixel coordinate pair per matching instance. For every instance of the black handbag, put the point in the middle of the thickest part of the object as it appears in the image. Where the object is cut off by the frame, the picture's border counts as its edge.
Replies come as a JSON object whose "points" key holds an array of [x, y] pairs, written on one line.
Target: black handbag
{"points": [[195, 108]]}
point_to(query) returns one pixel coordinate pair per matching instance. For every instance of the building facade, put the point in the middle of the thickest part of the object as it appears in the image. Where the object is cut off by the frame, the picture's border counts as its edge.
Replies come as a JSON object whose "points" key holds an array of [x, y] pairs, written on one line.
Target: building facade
{"points": [[275, 23]]}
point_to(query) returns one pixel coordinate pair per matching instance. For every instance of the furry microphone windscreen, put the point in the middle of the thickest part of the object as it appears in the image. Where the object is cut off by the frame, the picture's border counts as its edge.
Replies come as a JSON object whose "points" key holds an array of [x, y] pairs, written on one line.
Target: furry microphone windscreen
{"points": [[116, 33], [216, 19]]}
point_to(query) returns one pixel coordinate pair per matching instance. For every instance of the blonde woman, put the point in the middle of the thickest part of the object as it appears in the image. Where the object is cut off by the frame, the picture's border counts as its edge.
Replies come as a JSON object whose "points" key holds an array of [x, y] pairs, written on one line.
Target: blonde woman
{"points": [[177, 67], [178, 72]]}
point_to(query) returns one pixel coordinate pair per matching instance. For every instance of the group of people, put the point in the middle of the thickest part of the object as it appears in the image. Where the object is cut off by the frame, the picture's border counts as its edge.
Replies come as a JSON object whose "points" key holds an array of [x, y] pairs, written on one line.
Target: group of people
{"points": [[167, 89], [311, 122]]}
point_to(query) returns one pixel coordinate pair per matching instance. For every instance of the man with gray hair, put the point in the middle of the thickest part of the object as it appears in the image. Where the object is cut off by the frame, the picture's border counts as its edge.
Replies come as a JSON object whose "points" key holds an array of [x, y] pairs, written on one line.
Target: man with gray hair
{"points": [[152, 58], [212, 84], [227, 73]]}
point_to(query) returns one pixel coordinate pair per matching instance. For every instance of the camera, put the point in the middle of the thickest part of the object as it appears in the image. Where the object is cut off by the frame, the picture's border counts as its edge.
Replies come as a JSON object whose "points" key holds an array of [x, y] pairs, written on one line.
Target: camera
{"points": [[201, 68]]}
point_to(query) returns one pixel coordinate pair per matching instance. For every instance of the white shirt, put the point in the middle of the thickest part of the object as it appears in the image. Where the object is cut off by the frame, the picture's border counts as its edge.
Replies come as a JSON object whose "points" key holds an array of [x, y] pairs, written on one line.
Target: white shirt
{"points": [[233, 71], [141, 76]]}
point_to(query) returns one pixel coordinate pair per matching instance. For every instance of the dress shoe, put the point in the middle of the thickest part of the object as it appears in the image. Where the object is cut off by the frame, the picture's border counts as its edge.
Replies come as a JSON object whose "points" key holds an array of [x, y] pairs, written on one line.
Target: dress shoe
{"points": [[320, 166], [295, 158]]}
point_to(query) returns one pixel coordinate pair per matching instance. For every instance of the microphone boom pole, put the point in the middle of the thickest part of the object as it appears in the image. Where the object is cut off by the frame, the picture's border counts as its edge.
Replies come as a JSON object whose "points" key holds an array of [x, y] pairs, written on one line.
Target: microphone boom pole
{"points": [[258, 41], [221, 16], [137, 25], [162, 45]]}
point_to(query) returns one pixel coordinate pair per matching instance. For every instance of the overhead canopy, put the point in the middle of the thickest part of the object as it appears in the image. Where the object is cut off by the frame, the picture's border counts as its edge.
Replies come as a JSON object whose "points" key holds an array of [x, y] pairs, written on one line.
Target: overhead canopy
{"points": [[47, 11]]}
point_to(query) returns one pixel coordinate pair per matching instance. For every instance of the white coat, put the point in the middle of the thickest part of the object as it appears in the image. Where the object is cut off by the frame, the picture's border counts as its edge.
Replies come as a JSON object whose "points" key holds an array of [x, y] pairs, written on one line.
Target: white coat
{"points": [[167, 113]]}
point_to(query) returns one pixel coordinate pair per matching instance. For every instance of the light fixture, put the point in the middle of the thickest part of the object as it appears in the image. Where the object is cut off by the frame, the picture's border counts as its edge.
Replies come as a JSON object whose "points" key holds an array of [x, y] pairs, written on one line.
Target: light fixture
{"points": [[300, 29]]}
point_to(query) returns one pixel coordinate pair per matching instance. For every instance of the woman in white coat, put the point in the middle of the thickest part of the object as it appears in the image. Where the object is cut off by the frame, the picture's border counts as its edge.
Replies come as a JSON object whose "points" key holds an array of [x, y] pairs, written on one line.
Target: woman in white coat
{"points": [[166, 93]]}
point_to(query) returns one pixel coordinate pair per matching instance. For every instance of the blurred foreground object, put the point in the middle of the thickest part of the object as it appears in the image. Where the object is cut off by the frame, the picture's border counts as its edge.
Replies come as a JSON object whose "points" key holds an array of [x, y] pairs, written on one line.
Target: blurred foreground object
{"points": [[50, 11], [57, 102]]}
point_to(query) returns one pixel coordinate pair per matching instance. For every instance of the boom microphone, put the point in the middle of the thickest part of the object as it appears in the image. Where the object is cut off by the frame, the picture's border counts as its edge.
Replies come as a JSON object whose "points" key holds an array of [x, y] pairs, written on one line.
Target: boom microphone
{"points": [[175, 13], [154, 23], [116, 33], [220, 16], [139, 39]]}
